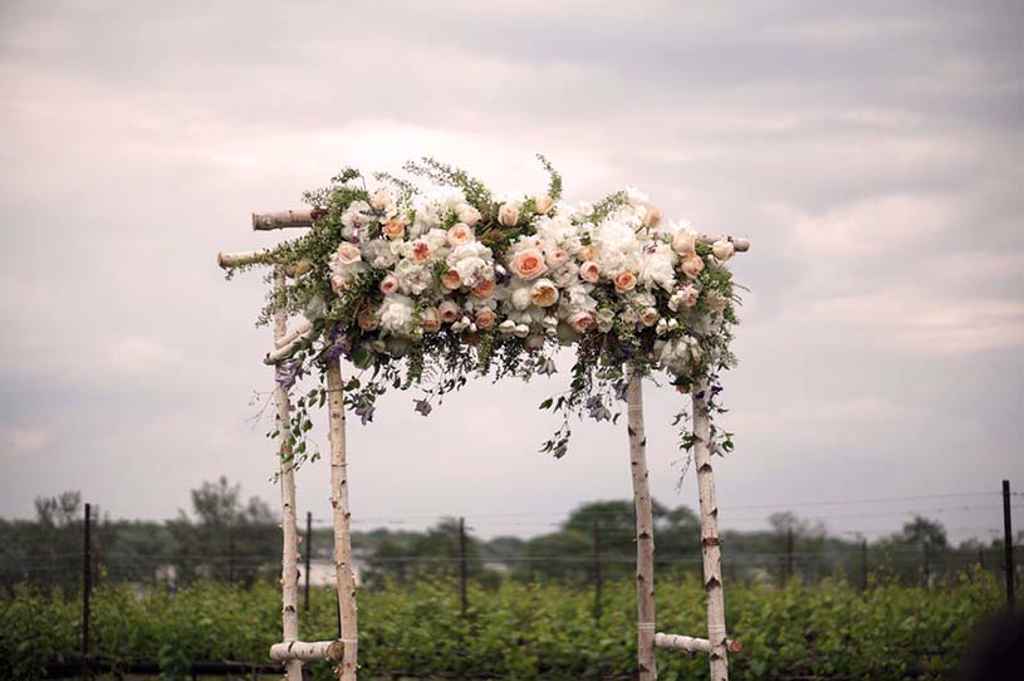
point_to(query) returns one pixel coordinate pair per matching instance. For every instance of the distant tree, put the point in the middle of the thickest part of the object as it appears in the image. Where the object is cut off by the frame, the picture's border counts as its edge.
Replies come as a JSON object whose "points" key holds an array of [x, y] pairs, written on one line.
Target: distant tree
{"points": [[227, 540]]}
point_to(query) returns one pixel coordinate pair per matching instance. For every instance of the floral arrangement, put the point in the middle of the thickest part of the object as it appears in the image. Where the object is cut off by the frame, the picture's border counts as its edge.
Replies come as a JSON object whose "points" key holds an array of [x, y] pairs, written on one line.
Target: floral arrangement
{"points": [[426, 287]]}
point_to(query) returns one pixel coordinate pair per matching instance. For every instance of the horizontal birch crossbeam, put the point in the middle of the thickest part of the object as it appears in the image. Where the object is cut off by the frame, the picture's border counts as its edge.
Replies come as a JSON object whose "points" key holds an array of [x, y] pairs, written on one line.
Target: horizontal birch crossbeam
{"points": [[308, 651], [293, 219], [690, 644], [301, 329], [285, 219]]}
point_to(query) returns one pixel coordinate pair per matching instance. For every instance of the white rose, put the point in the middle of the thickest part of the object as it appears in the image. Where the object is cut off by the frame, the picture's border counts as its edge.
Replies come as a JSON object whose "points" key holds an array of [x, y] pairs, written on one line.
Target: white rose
{"points": [[347, 254], [508, 214], [467, 214]]}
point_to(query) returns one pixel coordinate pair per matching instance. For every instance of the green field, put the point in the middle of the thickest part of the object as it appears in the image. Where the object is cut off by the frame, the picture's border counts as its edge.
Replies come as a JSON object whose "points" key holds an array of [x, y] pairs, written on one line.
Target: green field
{"points": [[521, 631]]}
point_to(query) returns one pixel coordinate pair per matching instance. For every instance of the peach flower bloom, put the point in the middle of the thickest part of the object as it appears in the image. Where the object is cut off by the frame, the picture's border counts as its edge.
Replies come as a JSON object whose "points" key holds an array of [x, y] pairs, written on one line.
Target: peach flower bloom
{"points": [[653, 216], [449, 312], [543, 203], [485, 289], [420, 250], [692, 265], [348, 254], [389, 284], [544, 293], [590, 271], [581, 322], [394, 228], [528, 264], [460, 233], [625, 281], [556, 257], [485, 318], [451, 280], [684, 242], [430, 321]]}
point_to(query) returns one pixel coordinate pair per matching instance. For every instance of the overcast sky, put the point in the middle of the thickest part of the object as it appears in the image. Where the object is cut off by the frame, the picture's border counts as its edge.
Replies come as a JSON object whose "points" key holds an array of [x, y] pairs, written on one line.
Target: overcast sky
{"points": [[871, 152]]}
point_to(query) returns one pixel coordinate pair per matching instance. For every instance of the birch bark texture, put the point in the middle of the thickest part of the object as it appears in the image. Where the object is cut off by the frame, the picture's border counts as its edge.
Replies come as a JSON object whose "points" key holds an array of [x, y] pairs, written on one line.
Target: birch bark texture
{"points": [[709, 542], [290, 539], [345, 576], [646, 663]]}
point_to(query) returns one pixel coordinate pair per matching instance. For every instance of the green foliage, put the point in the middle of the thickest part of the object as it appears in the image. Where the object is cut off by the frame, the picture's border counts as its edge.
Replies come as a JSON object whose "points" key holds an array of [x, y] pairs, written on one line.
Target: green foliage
{"points": [[523, 631]]}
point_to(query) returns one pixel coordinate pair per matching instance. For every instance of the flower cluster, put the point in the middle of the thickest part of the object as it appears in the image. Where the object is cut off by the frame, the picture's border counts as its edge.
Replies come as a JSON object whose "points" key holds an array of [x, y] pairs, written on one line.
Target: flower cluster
{"points": [[453, 280]]}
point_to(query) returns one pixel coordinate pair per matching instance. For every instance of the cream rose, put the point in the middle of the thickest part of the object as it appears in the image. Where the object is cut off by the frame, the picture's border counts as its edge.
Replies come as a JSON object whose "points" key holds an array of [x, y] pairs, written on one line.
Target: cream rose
{"points": [[528, 264], [588, 252], [389, 284], [382, 199], [723, 249], [485, 318], [684, 242], [590, 271], [508, 214], [448, 311], [544, 293], [556, 257], [692, 265], [467, 214], [625, 281], [348, 254], [543, 203], [451, 280], [460, 233]]}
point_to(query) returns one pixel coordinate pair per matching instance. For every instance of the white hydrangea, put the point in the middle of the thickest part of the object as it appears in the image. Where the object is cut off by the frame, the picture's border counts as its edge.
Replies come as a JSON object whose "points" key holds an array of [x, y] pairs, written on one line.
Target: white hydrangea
{"points": [[397, 314]]}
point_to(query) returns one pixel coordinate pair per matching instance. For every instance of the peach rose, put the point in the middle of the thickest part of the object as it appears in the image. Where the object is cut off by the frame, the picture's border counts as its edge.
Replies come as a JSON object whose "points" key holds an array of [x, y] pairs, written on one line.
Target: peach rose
{"points": [[485, 289], [528, 264], [653, 216], [590, 271], [430, 320], [485, 318], [543, 293], [460, 233], [367, 318], [389, 284], [420, 250], [692, 265], [588, 252], [449, 312], [508, 214], [543, 203], [451, 280], [393, 228], [625, 281], [581, 322]]}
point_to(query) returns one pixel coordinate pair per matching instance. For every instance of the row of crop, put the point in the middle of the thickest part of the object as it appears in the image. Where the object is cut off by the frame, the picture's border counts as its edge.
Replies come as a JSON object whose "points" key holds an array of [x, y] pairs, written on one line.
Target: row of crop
{"points": [[521, 631]]}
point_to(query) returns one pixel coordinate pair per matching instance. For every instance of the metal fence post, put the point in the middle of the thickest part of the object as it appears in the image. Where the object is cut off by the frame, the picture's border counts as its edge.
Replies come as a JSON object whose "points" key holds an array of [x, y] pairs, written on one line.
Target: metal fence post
{"points": [[1008, 545], [86, 590]]}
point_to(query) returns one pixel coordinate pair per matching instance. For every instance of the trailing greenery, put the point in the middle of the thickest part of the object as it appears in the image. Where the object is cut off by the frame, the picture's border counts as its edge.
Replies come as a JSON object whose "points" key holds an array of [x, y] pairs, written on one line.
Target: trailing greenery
{"points": [[521, 631]]}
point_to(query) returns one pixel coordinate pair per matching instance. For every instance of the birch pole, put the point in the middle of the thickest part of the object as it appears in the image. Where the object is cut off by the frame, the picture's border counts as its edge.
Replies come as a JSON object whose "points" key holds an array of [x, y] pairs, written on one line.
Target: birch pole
{"points": [[709, 542], [648, 670], [290, 542], [346, 582]]}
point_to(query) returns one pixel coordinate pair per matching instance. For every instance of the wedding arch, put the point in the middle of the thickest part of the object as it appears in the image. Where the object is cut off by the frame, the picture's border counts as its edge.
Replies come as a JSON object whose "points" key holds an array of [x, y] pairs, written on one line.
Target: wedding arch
{"points": [[425, 288]]}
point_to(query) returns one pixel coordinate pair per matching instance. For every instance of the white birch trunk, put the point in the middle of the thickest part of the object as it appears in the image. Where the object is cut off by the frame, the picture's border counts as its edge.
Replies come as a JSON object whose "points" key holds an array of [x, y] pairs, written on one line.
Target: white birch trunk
{"points": [[307, 651], [229, 260], [342, 540], [691, 644], [709, 542], [290, 543], [648, 670], [284, 219], [741, 245]]}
